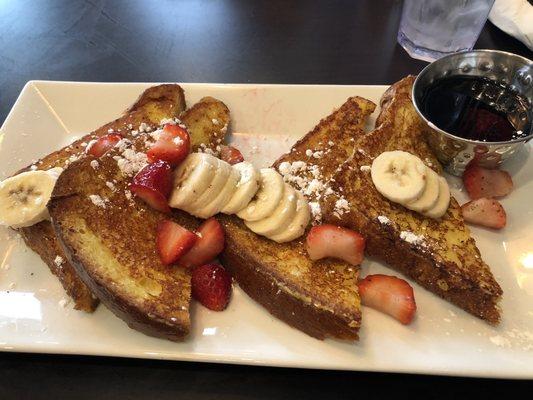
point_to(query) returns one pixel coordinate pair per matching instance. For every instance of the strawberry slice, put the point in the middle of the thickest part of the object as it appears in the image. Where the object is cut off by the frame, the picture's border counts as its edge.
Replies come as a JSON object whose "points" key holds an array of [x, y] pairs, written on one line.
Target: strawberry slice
{"points": [[172, 146], [231, 155], [211, 286], [485, 212], [482, 182], [210, 244], [104, 144], [153, 184], [390, 295], [333, 241], [173, 241]]}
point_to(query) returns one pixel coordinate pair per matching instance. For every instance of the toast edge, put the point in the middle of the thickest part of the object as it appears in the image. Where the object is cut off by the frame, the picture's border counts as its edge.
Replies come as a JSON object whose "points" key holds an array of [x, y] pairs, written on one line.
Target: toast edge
{"points": [[266, 291], [399, 256], [134, 318]]}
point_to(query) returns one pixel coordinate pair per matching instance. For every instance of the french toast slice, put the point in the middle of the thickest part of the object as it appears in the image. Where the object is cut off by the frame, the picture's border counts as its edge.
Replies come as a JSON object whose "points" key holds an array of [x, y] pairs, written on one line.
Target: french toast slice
{"points": [[154, 104], [319, 298], [109, 235], [439, 254]]}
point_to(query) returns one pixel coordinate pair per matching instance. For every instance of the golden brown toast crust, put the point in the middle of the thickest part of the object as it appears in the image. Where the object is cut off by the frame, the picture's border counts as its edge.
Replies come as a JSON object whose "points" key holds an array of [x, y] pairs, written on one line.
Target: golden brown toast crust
{"points": [[446, 261], [316, 297], [335, 144], [319, 298], [112, 245], [113, 250], [152, 105], [42, 239]]}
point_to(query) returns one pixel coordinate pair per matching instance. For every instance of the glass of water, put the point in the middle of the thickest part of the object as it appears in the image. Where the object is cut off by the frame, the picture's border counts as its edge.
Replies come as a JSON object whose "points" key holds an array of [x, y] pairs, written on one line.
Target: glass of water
{"points": [[430, 29]]}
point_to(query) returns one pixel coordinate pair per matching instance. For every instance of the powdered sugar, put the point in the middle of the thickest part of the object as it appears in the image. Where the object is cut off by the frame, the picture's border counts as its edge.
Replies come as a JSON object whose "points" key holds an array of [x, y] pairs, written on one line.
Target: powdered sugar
{"points": [[341, 206], [58, 261], [308, 179], [89, 145], [204, 149], [98, 201], [412, 238], [383, 220], [316, 211], [144, 127]]}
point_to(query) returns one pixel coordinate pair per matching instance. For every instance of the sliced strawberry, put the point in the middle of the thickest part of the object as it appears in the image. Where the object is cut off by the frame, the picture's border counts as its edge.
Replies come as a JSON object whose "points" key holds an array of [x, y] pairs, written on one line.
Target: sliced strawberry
{"points": [[231, 155], [390, 295], [482, 182], [173, 241], [104, 144], [485, 212], [153, 184], [172, 146], [333, 241], [211, 286], [210, 244]]}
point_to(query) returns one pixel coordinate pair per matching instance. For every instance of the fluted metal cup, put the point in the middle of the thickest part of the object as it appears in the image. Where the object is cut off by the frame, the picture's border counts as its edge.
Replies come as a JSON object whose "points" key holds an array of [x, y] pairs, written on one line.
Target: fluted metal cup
{"points": [[456, 152]]}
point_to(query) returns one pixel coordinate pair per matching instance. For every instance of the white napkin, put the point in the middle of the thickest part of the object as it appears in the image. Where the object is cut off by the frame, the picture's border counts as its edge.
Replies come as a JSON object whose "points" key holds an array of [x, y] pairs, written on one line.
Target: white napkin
{"points": [[514, 17]]}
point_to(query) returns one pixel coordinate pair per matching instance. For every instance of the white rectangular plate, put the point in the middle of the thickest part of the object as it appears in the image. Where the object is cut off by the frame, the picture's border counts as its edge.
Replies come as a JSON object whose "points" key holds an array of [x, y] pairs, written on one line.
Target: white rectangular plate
{"points": [[442, 340]]}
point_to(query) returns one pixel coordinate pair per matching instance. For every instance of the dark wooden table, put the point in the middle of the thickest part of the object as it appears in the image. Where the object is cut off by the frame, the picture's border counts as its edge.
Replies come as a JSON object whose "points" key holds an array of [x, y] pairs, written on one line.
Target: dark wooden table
{"points": [[335, 42]]}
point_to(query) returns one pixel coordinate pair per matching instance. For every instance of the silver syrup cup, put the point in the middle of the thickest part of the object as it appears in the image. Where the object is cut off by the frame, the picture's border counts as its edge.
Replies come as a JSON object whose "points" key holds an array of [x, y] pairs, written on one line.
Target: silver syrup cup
{"points": [[455, 152]]}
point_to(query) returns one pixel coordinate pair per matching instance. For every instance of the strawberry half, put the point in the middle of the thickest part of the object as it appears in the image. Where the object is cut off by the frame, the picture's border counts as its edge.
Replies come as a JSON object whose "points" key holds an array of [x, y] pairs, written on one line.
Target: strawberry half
{"points": [[173, 241], [333, 241], [153, 184], [211, 286], [390, 295], [209, 245], [172, 146], [104, 144], [485, 212], [482, 182], [231, 155]]}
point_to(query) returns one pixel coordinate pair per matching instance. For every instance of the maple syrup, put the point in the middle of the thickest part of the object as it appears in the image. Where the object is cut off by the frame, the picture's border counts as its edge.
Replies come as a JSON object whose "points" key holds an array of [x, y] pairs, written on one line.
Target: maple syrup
{"points": [[477, 108]]}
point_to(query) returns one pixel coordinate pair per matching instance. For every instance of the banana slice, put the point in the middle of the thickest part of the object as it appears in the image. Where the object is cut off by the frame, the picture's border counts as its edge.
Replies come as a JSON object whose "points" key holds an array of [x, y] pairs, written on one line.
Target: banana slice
{"points": [[430, 195], [399, 176], [221, 198], [246, 187], [299, 223], [439, 209], [216, 185], [280, 218], [267, 198], [192, 178], [23, 197]]}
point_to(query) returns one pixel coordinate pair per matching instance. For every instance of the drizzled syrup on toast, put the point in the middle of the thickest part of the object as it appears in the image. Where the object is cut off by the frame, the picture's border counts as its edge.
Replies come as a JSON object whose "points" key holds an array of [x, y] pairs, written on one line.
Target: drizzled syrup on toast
{"points": [[477, 108]]}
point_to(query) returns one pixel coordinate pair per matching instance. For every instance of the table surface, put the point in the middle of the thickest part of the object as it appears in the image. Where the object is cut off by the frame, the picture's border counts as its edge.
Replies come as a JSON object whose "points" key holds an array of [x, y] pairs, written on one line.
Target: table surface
{"points": [[333, 42]]}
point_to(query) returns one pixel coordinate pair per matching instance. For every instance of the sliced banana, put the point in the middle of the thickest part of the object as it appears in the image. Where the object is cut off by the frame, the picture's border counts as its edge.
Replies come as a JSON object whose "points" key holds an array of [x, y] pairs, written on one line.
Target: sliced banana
{"points": [[192, 178], [246, 187], [267, 198], [399, 176], [429, 196], [280, 218], [216, 185], [221, 198], [439, 209], [298, 224], [23, 197]]}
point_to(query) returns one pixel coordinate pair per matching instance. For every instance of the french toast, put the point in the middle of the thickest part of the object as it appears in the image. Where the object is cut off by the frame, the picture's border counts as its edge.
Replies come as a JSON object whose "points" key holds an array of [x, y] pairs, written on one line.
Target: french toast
{"points": [[318, 297], [439, 254], [154, 104], [109, 236]]}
